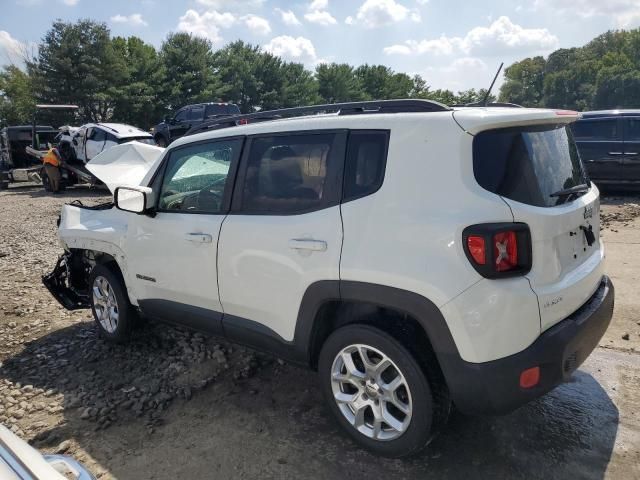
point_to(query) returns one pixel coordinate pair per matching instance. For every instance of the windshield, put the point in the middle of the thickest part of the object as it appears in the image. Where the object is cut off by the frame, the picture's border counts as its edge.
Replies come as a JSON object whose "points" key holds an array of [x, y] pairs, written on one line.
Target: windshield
{"points": [[529, 164]]}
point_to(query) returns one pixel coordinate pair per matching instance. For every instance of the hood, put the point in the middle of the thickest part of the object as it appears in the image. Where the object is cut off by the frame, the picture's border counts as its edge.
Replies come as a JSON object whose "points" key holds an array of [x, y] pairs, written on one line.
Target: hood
{"points": [[125, 165]]}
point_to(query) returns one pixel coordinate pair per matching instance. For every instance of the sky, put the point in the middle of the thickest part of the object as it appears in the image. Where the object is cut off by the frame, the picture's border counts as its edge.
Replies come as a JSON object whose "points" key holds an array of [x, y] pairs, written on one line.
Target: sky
{"points": [[453, 44]]}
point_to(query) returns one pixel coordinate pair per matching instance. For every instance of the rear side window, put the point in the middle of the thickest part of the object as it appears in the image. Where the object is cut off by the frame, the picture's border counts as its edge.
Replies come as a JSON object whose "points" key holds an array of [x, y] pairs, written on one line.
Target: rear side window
{"points": [[287, 174], [98, 135], [633, 129], [605, 129], [196, 113], [528, 164], [365, 164]]}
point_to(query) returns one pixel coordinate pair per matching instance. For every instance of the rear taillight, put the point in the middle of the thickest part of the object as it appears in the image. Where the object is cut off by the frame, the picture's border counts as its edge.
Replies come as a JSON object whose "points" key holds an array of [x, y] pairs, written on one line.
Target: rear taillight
{"points": [[498, 250]]}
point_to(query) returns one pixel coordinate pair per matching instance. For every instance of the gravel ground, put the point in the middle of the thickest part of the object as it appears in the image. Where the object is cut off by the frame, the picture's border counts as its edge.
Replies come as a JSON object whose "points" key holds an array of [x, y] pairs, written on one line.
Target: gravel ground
{"points": [[173, 402]]}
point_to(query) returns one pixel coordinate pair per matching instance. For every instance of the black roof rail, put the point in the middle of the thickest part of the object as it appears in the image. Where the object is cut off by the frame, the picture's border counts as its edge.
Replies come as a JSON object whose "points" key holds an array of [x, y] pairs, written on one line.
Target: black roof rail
{"points": [[492, 104], [349, 108]]}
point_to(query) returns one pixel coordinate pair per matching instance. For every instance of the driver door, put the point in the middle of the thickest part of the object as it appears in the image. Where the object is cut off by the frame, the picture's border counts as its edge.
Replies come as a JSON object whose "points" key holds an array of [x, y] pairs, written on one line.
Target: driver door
{"points": [[173, 255]]}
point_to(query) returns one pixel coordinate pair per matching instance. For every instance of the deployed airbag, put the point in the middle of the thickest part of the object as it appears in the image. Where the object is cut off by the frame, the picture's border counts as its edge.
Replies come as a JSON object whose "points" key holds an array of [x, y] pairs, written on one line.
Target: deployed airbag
{"points": [[125, 165]]}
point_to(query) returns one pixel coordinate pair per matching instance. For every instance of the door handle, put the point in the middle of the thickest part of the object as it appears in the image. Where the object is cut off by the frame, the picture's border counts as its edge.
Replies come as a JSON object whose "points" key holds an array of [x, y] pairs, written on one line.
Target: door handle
{"points": [[307, 244], [615, 153], [198, 237]]}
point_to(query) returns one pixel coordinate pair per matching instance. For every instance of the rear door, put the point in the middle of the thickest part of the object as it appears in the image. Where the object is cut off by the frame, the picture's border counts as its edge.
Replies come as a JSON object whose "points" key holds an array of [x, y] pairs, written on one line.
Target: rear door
{"points": [[601, 149], [631, 149], [529, 166], [284, 231]]}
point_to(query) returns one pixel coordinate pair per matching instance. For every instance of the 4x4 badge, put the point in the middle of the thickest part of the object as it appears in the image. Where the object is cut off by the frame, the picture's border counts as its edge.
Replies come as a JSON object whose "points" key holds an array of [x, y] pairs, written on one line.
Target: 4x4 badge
{"points": [[588, 212]]}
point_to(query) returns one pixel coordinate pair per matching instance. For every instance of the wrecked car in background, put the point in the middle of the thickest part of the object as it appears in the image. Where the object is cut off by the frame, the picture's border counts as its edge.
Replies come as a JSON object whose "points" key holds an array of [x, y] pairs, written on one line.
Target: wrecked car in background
{"points": [[84, 143], [16, 164]]}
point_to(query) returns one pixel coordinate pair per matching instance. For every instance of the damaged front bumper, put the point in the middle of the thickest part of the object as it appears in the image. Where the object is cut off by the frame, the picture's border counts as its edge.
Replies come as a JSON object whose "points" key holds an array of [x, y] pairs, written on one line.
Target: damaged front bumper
{"points": [[58, 282]]}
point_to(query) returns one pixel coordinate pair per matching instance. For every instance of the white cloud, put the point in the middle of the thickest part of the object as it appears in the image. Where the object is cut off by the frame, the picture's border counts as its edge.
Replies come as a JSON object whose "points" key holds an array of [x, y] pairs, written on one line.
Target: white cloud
{"points": [[501, 37], [299, 49], [206, 25], [256, 24], [288, 17], [319, 4], [318, 14], [377, 13], [230, 4], [321, 17], [70, 3], [461, 74], [135, 20], [11, 50], [624, 13]]}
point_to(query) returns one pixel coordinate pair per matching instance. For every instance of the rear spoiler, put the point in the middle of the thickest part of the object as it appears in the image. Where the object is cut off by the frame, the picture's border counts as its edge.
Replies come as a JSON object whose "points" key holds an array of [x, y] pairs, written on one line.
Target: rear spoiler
{"points": [[476, 119]]}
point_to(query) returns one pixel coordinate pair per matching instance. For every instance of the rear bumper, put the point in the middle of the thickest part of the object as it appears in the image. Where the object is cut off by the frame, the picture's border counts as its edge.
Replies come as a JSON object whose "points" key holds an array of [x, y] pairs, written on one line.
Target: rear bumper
{"points": [[494, 387]]}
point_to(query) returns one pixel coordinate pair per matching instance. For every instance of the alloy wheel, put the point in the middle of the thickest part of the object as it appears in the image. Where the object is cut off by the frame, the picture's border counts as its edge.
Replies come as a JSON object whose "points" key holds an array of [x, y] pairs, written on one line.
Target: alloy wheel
{"points": [[371, 392], [105, 304]]}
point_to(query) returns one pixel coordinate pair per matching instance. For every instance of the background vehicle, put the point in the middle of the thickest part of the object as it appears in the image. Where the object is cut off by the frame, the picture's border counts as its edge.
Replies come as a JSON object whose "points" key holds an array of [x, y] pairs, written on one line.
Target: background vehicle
{"points": [[609, 144], [20, 461], [16, 165], [342, 241], [188, 117], [89, 140]]}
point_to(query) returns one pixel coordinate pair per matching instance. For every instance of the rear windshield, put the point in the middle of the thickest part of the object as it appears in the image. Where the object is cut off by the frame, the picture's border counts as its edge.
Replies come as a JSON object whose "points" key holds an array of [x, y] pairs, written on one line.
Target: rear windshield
{"points": [[528, 164]]}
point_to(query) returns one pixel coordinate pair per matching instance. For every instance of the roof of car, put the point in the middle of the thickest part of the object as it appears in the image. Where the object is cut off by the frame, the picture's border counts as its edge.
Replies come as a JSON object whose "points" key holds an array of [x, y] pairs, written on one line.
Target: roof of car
{"points": [[470, 119], [121, 130], [611, 113]]}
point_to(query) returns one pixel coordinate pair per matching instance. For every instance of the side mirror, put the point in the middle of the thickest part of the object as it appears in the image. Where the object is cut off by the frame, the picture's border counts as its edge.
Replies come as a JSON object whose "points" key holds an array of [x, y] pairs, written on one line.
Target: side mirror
{"points": [[133, 199], [169, 120]]}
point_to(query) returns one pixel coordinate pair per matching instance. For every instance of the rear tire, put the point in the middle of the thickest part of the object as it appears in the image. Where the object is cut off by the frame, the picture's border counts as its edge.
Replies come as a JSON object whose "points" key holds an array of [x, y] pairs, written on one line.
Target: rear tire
{"points": [[110, 304], [390, 410]]}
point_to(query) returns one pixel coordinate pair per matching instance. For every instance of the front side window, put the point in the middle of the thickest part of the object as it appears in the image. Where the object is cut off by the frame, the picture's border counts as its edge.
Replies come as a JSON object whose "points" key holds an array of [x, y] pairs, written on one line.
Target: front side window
{"points": [[588, 129], [97, 135], [288, 173], [181, 116], [196, 177], [528, 164]]}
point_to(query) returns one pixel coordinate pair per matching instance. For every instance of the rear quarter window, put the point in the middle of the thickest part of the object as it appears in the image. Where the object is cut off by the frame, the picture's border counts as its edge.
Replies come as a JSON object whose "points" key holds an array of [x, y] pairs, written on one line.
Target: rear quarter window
{"points": [[528, 164]]}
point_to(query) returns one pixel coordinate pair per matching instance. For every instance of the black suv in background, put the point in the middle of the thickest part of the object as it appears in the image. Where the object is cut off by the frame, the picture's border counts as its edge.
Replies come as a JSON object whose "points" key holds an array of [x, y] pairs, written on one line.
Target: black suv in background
{"points": [[187, 117], [609, 144]]}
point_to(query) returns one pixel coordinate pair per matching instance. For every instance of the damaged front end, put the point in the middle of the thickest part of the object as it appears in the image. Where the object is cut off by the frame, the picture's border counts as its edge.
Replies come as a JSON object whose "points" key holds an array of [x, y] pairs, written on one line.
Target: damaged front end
{"points": [[68, 281]]}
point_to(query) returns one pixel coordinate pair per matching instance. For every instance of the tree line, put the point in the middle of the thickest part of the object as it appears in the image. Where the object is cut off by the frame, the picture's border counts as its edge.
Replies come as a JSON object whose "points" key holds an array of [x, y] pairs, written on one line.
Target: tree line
{"points": [[127, 80], [603, 74]]}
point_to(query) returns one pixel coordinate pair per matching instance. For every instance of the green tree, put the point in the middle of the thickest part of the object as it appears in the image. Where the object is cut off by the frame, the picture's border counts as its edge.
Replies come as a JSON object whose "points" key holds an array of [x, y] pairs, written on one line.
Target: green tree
{"points": [[188, 67], [17, 101], [138, 101], [77, 63], [524, 82], [338, 83]]}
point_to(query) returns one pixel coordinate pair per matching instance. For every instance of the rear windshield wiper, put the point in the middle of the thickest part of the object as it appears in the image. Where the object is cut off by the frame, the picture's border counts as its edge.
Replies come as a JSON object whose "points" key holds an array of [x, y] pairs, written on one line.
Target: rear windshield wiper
{"points": [[583, 187]]}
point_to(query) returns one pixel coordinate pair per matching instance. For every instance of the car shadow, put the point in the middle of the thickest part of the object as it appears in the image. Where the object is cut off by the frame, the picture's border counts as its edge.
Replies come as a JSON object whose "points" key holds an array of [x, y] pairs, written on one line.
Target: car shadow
{"points": [[173, 404]]}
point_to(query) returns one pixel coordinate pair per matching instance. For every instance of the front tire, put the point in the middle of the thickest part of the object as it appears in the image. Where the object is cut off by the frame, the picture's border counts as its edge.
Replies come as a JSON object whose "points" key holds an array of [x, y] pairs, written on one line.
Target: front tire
{"points": [[110, 304], [377, 391]]}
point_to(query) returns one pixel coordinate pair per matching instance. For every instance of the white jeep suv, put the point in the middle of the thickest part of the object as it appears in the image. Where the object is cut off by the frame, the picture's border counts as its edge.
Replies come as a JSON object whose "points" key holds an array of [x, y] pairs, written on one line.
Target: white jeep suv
{"points": [[415, 255]]}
